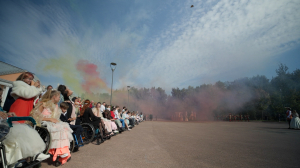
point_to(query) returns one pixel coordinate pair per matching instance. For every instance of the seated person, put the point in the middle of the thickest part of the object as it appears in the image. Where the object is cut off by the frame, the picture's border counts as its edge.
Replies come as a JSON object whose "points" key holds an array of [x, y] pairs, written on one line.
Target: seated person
{"points": [[124, 117], [118, 117], [116, 120], [141, 116], [63, 117], [131, 120], [22, 142], [48, 113], [106, 123], [87, 116], [106, 115]]}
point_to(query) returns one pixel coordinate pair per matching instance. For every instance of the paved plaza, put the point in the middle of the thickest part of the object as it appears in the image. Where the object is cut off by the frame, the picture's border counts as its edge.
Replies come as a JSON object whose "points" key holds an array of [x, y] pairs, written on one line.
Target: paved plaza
{"points": [[201, 144]]}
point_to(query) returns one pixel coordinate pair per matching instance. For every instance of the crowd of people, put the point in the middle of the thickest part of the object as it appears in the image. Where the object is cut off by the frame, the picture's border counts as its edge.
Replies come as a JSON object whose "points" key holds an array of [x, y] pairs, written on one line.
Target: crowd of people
{"points": [[61, 115]]}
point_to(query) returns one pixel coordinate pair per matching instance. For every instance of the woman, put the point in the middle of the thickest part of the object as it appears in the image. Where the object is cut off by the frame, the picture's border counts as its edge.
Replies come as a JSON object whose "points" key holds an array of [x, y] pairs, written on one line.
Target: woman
{"points": [[295, 122], [77, 110], [125, 116], [107, 116], [104, 122], [87, 116], [24, 91], [47, 113], [22, 141], [66, 93], [124, 119]]}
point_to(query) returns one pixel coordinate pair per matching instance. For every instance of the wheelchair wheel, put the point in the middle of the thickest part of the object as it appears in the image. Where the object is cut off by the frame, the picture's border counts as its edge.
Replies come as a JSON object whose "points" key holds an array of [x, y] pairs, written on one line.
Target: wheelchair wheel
{"points": [[88, 133], [72, 146], [45, 135]]}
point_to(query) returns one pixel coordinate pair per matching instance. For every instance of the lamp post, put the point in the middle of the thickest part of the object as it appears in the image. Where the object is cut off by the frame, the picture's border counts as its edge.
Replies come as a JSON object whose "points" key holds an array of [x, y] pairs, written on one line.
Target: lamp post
{"points": [[113, 67], [128, 87]]}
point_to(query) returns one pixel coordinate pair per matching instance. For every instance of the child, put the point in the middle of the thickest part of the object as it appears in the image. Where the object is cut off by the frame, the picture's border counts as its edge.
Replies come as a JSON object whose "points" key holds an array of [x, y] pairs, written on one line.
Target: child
{"points": [[63, 117], [48, 113]]}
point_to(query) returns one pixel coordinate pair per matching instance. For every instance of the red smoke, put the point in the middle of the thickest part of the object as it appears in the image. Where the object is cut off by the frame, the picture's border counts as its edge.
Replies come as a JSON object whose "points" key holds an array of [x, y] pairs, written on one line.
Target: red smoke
{"points": [[92, 81]]}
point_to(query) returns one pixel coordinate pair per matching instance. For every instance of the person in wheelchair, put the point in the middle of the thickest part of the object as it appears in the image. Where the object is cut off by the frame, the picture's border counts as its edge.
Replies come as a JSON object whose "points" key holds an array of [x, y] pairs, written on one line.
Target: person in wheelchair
{"points": [[64, 118], [87, 116], [21, 142], [106, 123], [106, 115], [47, 113]]}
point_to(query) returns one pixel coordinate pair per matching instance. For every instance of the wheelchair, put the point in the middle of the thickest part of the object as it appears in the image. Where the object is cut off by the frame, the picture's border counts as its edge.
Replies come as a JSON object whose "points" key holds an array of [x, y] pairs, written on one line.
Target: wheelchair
{"points": [[76, 143], [26, 162], [90, 134]]}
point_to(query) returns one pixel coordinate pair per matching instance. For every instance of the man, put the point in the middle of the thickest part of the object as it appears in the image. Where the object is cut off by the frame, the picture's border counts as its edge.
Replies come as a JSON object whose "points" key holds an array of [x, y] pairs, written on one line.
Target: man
{"points": [[289, 116], [131, 120], [116, 112], [102, 107]]}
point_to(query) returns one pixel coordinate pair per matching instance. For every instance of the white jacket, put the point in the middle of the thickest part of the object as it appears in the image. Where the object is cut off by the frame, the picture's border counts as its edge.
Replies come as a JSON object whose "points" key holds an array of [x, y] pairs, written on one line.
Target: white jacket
{"points": [[22, 89]]}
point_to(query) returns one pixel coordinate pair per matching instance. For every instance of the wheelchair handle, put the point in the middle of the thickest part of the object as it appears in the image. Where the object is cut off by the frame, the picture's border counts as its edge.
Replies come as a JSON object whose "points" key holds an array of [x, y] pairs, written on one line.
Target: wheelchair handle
{"points": [[11, 119]]}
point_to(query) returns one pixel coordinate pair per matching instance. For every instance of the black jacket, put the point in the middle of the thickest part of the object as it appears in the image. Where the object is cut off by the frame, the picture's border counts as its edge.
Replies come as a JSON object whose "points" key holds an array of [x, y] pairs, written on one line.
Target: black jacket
{"points": [[64, 118], [8, 101]]}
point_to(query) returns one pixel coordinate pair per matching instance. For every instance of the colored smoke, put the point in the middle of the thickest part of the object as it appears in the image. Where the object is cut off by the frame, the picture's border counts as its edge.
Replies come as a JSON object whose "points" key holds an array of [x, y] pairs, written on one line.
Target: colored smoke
{"points": [[91, 77]]}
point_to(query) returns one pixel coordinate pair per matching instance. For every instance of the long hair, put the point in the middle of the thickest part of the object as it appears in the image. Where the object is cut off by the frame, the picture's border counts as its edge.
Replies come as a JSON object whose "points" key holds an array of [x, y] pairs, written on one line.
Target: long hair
{"points": [[106, 114], [49, 94], [45, 101], [86, 105]]}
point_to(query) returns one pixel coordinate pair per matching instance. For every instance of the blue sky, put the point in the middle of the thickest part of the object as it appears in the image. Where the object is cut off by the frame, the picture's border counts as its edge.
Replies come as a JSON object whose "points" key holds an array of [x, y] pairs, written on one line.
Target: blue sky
{"points": [[155, 43]]}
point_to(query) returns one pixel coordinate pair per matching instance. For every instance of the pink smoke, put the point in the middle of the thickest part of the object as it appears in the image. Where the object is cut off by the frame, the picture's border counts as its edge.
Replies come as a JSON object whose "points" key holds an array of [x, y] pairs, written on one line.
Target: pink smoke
{"points": [[92, 81]]}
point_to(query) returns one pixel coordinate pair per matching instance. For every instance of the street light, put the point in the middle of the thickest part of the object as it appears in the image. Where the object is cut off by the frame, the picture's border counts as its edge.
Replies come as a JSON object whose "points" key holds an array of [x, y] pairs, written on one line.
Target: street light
{"points": [[113, 67], [128, 87]]}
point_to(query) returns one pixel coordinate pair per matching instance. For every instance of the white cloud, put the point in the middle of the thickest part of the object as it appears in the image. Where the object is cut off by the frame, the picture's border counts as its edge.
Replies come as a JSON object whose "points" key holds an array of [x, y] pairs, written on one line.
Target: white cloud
{"points": [[216, 38]]}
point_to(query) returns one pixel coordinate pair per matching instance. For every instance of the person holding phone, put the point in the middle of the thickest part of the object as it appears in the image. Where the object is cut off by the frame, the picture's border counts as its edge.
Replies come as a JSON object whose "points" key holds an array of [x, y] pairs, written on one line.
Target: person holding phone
{"points": [[24, 92]]}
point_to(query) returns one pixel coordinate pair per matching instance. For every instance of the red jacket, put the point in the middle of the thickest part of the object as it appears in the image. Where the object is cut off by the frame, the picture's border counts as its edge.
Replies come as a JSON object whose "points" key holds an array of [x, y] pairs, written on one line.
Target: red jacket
{"points": [[112, 115]]}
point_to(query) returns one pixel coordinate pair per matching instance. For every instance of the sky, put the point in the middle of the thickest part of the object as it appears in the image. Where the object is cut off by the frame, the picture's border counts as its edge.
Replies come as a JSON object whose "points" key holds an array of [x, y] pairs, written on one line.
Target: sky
{"points": [[155, 43]]}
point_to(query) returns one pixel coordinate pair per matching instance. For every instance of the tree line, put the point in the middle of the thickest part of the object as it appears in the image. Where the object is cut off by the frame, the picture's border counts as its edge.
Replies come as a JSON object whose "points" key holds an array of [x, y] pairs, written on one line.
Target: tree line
{"points": [[258, 97]]}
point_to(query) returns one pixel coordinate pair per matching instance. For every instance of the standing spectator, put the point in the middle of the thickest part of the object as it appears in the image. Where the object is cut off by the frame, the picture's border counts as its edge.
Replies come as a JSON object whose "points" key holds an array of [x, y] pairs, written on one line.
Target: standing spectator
{"points": [[49, 87], [295, 122], [24, 91], [62, 89], [289, 116]]}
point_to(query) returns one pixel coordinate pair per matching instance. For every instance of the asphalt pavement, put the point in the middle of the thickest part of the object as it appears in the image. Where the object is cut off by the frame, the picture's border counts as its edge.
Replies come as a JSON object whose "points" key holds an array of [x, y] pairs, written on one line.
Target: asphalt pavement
{"points": [[194, 144]]}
